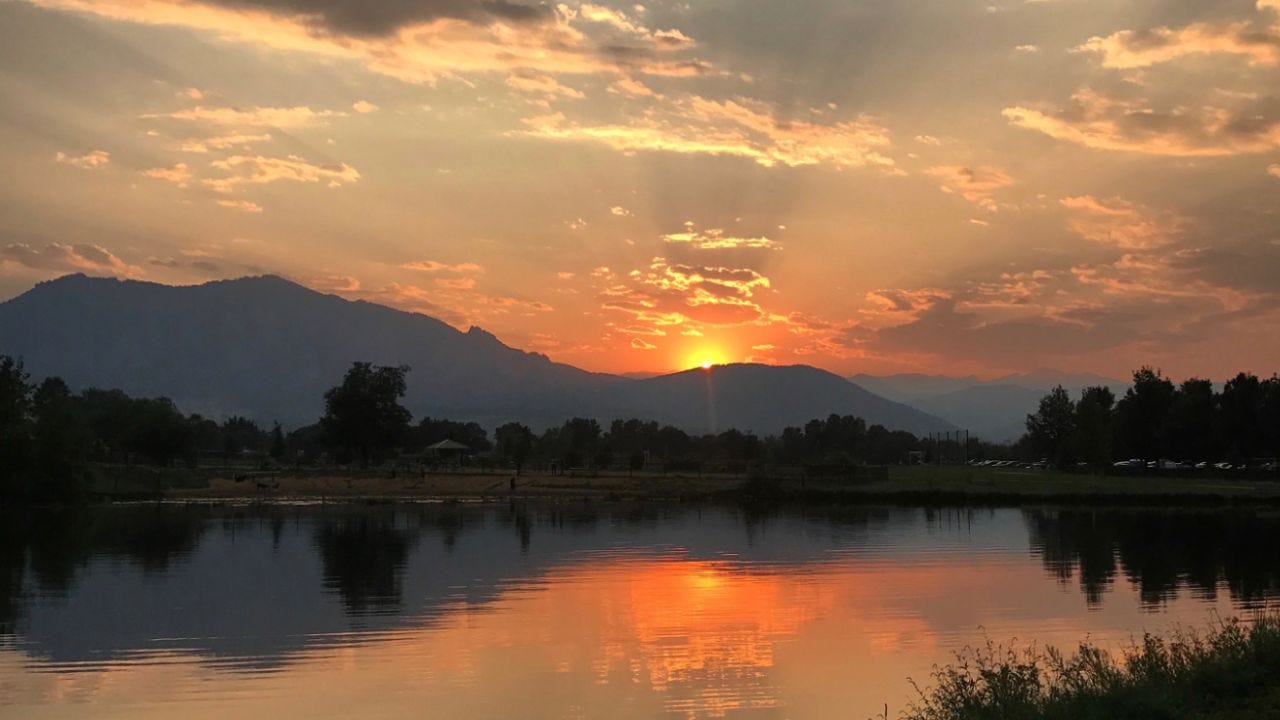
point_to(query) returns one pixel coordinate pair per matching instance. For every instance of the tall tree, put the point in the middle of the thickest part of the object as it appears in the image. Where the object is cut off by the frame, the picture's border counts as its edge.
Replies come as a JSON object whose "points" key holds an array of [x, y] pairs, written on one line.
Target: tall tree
{"points": [[1190, 424], [363, 416], [61, 442], [1095, 430], [1270, 416], [15, 425], [1241, 403], [240, 434], [1051, 428], [277, 441], [1142, 414], [515, 443]]}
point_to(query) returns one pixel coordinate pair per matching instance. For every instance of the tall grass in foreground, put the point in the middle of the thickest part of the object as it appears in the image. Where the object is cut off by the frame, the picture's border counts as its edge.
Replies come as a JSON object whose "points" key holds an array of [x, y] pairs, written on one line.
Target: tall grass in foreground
{"points": [[1230, 671]]}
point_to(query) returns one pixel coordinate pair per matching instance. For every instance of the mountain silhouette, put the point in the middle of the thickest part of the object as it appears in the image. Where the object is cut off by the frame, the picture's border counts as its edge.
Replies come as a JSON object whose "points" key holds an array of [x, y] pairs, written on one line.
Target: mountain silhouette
{"points": [[994, 410], [268, 348]]}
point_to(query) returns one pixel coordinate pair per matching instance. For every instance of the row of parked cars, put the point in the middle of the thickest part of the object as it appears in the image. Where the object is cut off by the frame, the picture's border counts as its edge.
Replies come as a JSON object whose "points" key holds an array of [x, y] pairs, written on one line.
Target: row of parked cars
{"points": [[1139, 464], [1037, 465], [1268, 465]]}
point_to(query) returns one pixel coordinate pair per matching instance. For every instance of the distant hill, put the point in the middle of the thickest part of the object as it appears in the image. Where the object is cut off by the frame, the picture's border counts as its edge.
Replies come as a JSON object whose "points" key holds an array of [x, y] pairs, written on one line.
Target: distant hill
{"points": [[765, 398], [994, 410], [268, 348], [906, 387]]}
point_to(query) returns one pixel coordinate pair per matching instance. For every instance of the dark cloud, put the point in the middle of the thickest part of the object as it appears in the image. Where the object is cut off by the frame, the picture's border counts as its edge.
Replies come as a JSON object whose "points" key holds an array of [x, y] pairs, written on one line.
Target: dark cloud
{"points": [[944, 330], [382, 17], [1245, 268], [59, 257]]}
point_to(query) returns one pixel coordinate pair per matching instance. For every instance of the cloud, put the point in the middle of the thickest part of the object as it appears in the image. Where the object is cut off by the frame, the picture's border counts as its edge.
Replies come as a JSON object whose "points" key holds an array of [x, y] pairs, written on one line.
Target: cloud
{"points": [[178, 174], [61, 258], [977, 185], [455, 283], [665, 294], [741, 128], [539, 84], [1100, 121], [364, 107], [277, 117], [619, 211], [1120, 223], [715, 239], [420, 41], [1128, 49], [432, 266], [88, 161], [907, 302], [630, 87], [259, 170], [1274, 170], [240, 141], [1027, 49], [241, 205], [640, 344], [362, 18]]}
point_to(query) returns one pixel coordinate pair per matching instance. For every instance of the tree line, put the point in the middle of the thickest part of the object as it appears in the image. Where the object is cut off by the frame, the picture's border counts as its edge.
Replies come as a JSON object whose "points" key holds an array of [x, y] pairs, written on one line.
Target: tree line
{"points": [[51, 436], [1190, 422]]}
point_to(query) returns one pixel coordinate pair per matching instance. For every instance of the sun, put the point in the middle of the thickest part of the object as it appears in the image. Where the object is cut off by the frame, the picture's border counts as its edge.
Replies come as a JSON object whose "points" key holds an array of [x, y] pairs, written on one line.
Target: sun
{"points": [[705, 358]]}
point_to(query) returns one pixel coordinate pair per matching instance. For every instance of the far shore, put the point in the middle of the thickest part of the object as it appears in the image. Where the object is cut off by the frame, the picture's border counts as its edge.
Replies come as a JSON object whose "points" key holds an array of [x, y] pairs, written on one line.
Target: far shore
{"points": [[917, 485]]}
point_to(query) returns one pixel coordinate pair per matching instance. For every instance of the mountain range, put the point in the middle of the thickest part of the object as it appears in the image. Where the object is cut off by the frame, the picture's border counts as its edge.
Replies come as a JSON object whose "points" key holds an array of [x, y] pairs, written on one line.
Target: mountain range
{"points": [[267, 348], [994, 410]]}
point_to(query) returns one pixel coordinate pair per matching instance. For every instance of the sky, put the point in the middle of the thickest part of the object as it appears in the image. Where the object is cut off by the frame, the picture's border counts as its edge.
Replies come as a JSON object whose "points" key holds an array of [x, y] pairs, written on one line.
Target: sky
{"points": [[938, 186]]}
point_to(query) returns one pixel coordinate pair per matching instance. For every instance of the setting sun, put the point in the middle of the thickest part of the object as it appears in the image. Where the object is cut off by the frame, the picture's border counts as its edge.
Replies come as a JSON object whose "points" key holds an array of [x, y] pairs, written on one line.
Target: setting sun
{"points": [[705, 358]]}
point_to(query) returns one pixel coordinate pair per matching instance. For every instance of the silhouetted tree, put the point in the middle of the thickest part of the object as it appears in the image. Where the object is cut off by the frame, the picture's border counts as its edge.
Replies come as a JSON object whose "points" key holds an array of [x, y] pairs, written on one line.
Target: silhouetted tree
{"points": [[1051, 429], [240, 434], [1241, 403], [1190, 425], [15, 427], [1270, 416], [1142, 413], [430, 431], [157, 429], [1094, 427], [579, 440], [515, 444], [363, 416], [277, 441], [60, 442]]}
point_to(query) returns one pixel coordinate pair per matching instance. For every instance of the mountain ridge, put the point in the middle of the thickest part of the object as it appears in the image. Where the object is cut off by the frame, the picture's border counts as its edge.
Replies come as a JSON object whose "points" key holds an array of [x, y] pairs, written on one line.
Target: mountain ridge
{"points": [[267, 348]]}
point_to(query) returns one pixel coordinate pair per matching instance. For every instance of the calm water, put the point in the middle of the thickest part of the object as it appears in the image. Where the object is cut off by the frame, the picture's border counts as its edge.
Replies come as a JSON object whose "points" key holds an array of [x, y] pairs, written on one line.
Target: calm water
{"points": [[555, 612]]}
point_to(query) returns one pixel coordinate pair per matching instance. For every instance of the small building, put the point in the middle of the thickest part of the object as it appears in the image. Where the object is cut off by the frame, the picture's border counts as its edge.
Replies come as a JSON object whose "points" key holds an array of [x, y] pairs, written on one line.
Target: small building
{"points": [[448, 452]]}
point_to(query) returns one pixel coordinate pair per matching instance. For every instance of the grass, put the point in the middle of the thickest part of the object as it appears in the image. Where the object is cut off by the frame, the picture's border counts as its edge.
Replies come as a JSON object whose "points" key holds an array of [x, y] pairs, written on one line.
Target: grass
{"points": [[1232, 671], [913, 485]]}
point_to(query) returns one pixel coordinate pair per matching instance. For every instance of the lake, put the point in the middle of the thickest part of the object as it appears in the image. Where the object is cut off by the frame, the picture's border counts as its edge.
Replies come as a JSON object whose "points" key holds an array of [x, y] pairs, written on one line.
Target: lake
{"points": [[577, 610]]}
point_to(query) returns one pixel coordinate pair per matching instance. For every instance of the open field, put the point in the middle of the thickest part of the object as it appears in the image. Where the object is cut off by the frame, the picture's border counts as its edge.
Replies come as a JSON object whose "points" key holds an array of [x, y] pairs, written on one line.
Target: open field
{"points": [[905, 484]]}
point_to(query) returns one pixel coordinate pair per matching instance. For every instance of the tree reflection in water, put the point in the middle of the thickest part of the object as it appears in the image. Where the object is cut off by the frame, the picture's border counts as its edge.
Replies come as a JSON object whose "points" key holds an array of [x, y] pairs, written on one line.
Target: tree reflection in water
{"points": [[1163, 551], [364, 555]]}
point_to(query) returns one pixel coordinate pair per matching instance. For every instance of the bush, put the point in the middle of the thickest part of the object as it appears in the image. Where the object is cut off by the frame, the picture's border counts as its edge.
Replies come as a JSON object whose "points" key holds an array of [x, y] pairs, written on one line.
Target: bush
{"points": [[1232, 671]]}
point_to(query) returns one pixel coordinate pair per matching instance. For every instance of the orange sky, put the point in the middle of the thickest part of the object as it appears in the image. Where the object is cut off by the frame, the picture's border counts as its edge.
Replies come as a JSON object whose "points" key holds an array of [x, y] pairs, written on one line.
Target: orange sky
{"points": [[962, 187]]}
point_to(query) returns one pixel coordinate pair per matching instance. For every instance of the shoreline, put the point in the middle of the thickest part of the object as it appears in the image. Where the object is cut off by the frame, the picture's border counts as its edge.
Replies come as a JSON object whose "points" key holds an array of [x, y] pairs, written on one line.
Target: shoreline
{"points": [[916, 486]]}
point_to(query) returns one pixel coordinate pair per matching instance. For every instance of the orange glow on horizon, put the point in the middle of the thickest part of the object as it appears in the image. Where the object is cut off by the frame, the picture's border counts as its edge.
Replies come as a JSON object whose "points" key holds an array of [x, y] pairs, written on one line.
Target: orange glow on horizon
{"points": [[705, 357]]}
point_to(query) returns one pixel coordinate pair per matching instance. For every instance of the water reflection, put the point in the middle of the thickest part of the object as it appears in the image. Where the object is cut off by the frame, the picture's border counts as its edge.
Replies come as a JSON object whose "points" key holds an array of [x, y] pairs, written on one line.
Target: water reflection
{"points": [[573, 610], [364, 555], [1162, 552]]}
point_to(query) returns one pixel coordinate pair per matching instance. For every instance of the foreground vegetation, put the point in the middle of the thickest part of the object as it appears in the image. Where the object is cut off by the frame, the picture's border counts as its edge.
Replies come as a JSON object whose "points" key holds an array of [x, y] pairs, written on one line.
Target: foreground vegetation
{"points": [[1230, 672]]}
